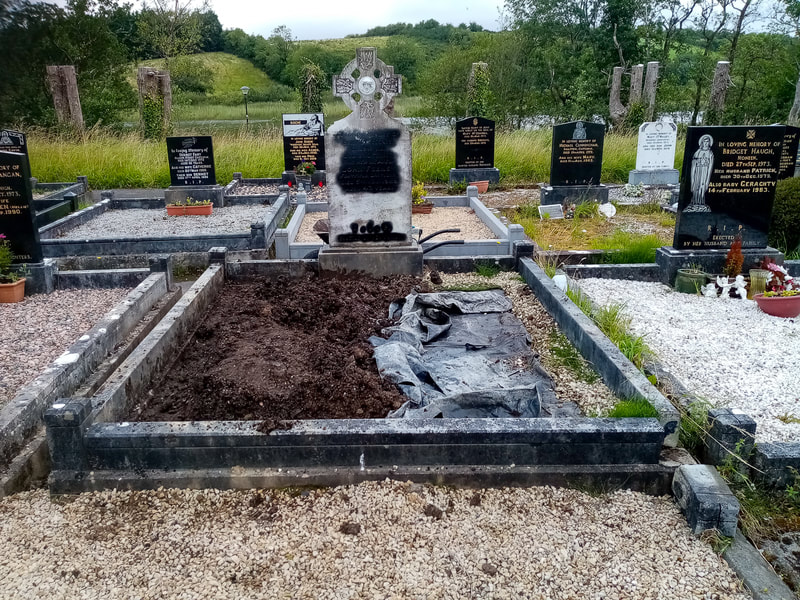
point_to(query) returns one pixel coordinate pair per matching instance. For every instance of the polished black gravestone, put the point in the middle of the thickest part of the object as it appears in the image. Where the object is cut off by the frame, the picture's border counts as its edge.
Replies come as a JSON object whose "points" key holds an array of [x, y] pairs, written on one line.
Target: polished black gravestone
{"points": [[15, 141], [791, 140], [303, 141], [728, 186], [575, 164], [475, 151], [191, 170], [16, 209]]}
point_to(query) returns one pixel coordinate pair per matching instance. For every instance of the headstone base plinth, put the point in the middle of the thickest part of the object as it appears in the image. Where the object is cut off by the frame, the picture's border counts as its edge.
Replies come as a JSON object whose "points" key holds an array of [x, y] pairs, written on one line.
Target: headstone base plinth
{"points": [[316, 178], [669, 260], [40, 278], [654, 177], [179, 193], [492, 175], [563, 194], [377, 262]]}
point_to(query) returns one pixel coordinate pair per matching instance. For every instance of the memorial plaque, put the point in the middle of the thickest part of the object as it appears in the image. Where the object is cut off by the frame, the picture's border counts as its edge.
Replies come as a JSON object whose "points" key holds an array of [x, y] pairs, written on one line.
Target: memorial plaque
{"points": [[15, 141], [303, 140], [475, 143], [551, 211], [577, 156], [656, 146], [16, 208], [728, 186], [791, 141], [191, 160]]}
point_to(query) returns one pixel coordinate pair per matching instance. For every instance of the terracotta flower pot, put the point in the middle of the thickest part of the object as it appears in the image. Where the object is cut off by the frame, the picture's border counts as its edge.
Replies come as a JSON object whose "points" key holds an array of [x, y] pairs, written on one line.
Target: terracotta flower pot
{"points": [[176, 211], [200, 209], [12, 292], [779, 306], [483, 186], [422, 209]]}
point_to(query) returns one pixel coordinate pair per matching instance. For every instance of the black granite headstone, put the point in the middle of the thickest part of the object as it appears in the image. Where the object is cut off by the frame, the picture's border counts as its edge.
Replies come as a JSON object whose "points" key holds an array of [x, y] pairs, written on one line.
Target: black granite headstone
{"points": [[16, 208], [791, 141], [191, 160], [577, 156], [15, 141], [475, 143], [727, 186], [303, 140]]}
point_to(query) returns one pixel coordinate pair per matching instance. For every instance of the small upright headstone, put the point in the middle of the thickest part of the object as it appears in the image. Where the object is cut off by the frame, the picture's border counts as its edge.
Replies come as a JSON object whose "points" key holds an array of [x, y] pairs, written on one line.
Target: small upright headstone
{"points": [[16, 208], [191, 170], [576, 163], [791, 142], [303, 141], [15, 141], [728, 186], [475, 151], [655, 154], [369, 175]]}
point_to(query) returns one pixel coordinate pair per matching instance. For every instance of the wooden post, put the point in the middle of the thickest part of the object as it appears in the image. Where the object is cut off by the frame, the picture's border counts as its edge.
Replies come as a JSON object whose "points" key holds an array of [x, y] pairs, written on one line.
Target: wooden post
{"points": [[719, 89], [794, 113], [616, 109], [635, 95], [63, 86], [650, 86], [157, 86]]}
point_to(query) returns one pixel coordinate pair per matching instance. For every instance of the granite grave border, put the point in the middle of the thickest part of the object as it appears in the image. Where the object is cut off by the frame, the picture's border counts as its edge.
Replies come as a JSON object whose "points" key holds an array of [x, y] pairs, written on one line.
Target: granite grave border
{"points": [[93, 450]]}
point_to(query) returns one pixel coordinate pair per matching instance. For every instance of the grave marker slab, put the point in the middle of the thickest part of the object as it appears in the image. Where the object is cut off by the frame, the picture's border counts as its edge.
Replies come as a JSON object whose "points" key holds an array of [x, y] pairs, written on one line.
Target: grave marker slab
{"points": [[191, 160], [16, 208], [655, 154], [15, 141], [577, 155], [791, 142], [728, 186], [303, 140], [475, 143], [551, 211]]}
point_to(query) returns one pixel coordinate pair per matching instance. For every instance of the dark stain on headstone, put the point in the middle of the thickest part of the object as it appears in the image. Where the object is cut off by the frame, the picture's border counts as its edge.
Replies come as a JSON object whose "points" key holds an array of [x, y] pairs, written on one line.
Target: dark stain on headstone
{"points": [[368, 163], [371, 232]]}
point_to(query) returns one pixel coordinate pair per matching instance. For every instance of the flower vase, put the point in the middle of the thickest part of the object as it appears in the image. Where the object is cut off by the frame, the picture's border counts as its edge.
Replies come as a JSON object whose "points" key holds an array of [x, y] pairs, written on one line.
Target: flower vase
{"points": [[758, 282]]}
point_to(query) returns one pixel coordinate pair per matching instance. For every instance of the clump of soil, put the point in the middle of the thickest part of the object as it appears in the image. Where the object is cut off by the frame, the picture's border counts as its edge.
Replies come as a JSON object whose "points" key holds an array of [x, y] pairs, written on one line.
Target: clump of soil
{"points": [[283, 349]]}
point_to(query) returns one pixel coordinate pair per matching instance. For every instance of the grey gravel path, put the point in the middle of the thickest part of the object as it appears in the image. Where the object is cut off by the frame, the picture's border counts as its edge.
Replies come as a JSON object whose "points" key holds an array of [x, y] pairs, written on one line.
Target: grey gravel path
{"points": [[376, 540], [136, 222], [39, 329]]}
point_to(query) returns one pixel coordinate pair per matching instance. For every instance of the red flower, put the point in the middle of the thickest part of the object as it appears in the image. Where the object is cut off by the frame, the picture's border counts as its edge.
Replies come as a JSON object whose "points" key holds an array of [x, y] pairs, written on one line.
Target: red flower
{"points": [[320, 184], [289, 183]]}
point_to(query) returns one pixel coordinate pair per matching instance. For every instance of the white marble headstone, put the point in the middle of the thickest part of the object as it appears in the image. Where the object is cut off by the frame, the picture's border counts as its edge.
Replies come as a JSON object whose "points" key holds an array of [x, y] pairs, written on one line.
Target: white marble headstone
{"points": [[656, 149]]}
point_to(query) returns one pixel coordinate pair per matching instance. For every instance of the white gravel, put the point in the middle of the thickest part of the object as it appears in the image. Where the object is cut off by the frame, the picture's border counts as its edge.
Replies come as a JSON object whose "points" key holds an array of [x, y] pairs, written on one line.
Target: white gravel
{"points": [[256, 190], [472, 228], [725, 351], [540, 543], [39, 329], [139, 222]]}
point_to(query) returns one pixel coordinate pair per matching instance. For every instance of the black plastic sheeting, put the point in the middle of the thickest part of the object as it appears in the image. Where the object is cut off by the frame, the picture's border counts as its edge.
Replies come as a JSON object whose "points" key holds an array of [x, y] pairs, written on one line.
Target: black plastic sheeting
{"points": [[461, 354]]}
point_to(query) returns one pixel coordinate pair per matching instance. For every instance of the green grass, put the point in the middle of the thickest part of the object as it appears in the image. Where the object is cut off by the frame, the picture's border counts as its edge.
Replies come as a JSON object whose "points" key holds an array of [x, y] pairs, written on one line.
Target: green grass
{"points": [[629, 247], [565, 354], [487, 269], [615, 324], [633, 408]]}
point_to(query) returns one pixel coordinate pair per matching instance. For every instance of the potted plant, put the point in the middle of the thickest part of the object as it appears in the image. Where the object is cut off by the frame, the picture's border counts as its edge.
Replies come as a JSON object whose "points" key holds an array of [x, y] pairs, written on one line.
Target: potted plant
{"points": [[690, 280], [12, 286], [483, 186], [303, 173], [190, 207], [419, 203], [782, 298]]}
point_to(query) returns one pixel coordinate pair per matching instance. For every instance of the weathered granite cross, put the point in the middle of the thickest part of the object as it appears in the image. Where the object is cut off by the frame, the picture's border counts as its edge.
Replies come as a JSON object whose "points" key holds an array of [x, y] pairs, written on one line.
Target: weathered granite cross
{"points": [[366, 84]]}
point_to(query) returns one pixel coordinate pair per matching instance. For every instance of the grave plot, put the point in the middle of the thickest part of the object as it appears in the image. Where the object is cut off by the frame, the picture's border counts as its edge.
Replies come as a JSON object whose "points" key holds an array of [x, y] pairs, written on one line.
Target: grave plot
{"points": [[250, 352], [727, 352]]}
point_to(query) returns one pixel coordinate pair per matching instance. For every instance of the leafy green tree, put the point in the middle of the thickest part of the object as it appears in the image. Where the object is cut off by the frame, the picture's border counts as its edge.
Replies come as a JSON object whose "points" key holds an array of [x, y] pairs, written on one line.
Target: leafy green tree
{"points": [[172, 27], [311, 82]]}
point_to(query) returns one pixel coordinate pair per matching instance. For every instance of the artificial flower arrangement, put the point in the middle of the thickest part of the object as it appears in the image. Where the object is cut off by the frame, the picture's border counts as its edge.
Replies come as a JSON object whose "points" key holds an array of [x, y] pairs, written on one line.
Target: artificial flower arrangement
{"points": [[306, 168], [779, 282]]}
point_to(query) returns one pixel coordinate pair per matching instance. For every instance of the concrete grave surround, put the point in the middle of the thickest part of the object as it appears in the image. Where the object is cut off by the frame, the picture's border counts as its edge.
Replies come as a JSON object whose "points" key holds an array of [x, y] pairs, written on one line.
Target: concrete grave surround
{"points": [[369, 160], [655, 154]]}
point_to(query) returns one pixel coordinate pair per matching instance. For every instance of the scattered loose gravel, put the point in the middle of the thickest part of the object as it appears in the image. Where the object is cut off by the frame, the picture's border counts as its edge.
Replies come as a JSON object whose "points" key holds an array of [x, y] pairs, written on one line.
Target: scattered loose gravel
{"points": [[725, 351], [140, 222], [256, 190], [373, 540], [39, 329], [472, 228], [592, 398]]}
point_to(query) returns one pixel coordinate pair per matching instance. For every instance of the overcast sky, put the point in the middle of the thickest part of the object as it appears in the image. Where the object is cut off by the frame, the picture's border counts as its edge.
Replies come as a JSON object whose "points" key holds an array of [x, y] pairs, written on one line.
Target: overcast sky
{"points": [[322, 19]]}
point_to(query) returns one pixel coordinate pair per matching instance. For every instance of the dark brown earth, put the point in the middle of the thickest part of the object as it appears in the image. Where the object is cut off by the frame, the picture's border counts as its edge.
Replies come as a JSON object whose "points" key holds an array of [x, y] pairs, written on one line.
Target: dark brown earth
{"points": [[283, 349]]}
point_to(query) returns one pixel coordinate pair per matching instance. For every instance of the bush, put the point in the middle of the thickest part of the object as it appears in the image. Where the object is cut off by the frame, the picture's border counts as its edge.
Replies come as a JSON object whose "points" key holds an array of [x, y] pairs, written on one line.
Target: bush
{"points": [[784, 231]]}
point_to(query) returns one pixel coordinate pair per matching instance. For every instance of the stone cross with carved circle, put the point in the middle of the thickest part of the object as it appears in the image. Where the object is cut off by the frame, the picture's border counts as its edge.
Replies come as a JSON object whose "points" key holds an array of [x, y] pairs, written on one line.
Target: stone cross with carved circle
{"points": [[366, 84]]}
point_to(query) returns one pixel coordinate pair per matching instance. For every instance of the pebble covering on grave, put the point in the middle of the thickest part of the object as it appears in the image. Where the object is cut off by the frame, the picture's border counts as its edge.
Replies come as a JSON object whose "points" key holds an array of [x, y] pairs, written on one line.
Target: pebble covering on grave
{"points": [[727, 186]]}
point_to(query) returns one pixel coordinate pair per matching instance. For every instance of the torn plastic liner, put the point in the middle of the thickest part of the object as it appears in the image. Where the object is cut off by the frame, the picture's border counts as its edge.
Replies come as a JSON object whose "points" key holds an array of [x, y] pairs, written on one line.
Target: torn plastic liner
{"points": [[461, 354]]}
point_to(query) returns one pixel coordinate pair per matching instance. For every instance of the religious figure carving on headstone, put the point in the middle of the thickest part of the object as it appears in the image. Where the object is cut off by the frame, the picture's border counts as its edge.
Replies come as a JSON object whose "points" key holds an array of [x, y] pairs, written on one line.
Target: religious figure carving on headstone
{"points": [[580, 131], [702, 165]]}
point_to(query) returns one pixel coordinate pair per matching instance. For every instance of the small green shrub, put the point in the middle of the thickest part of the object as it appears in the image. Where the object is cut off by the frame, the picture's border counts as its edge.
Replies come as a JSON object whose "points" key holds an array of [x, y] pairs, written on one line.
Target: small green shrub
{"points": [[487, 269], [586, 210], [633, 408], [784, 231]]}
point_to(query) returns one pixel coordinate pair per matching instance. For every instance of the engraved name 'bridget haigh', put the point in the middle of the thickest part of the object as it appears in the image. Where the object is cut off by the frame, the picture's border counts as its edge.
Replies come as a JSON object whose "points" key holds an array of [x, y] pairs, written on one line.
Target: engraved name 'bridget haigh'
{"points": [[368, 163]]}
